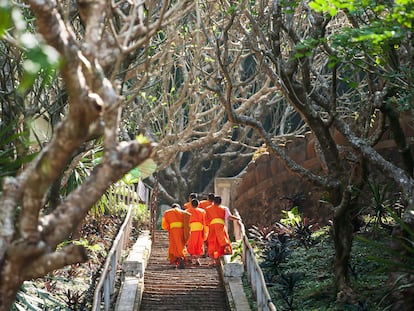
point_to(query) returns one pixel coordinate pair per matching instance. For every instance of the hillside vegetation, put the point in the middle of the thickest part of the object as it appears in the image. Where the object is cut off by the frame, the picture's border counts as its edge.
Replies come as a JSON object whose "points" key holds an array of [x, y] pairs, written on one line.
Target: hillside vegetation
{"points": [[297, 261]]}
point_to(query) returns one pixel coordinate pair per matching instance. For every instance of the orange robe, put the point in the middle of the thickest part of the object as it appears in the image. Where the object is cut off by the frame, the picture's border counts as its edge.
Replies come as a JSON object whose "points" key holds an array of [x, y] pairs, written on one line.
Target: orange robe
{"points": [[195, 245], [187, 205], [176, 221], [204, 204], [218, 240]]}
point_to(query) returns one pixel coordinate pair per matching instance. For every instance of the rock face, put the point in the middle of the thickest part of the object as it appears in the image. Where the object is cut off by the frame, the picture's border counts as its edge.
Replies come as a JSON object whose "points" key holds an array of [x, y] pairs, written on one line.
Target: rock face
{"points": [[266, 187]]}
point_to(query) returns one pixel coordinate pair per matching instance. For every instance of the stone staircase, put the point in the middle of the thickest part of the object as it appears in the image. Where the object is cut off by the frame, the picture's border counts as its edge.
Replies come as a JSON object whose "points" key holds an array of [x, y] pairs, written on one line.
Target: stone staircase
{"points": [[192, 288], [156, 285]]}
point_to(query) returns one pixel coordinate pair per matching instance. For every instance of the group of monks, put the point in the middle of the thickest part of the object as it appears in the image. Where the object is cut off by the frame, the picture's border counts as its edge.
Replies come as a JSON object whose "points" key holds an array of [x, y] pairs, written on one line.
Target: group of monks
{"points": [[196, 226]]}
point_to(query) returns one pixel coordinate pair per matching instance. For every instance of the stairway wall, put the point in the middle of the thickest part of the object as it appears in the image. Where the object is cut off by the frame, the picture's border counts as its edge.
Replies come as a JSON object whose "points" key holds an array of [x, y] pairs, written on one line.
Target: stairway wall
{"points": [[267, 187]]}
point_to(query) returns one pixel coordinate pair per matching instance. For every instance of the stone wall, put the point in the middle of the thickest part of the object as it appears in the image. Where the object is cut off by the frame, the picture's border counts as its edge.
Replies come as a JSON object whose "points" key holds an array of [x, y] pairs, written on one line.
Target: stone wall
{"points": [[267, 187]]}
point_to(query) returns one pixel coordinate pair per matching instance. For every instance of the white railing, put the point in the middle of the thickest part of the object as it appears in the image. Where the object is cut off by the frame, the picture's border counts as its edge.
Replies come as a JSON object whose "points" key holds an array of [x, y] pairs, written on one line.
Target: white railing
{"points": [[253, 270], [106, 284]]}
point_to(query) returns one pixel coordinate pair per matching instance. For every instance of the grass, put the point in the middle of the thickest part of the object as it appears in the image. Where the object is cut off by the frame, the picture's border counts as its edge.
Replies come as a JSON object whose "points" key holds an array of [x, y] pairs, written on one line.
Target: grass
{"points": [[310, 272]]}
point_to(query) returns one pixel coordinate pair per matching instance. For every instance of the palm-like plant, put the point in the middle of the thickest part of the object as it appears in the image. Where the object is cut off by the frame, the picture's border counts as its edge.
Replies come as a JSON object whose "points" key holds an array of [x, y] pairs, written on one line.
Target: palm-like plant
{"points": [[380, 203], [10, 159]]}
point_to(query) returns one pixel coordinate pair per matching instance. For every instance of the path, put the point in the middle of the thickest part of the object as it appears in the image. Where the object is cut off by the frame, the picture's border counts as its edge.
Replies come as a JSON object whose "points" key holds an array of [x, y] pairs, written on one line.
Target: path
{"points": [[193, 288]]}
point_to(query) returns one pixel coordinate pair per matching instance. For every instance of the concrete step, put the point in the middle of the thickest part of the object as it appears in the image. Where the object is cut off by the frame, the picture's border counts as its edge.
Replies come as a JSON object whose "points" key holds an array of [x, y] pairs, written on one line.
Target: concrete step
{"points": [[151, 283]]}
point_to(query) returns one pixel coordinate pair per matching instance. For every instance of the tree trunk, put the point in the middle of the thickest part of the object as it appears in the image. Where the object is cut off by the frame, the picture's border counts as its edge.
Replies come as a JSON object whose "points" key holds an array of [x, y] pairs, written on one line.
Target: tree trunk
{"points": [[9, 287], [343, 232], [343, 237]]}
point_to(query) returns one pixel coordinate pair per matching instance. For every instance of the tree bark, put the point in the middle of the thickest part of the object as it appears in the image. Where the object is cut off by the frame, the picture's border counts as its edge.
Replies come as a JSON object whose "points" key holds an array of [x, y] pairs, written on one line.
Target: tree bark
{"points": [[29, 237], [17, 268], [343, 237]]}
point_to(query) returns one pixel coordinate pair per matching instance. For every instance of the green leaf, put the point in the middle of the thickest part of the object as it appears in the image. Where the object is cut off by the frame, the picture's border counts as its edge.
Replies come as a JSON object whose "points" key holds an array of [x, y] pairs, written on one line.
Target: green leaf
{"points": [[147, 168], [142, 139], [5, 17], [142, 171], [232, 9]]}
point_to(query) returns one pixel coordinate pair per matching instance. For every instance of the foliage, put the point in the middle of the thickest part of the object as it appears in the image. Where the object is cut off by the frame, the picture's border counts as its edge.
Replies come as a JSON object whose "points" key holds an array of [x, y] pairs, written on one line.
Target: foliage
{"points": [[116, 200], [142, 171], [78, 173], [303, 280], [237, 250], [349, 44], [303, 232], [287, 283], [73, 300], [108, 203], [275, 243], [292, 217], [396, 258], [396, 12], [380, 202], [40, 59], [5, 17], [32, 298], [298, 228], [10, 161], [141, 216], [306, 279], [274, 248], [72, 287], [381, 32], [274, 253]]}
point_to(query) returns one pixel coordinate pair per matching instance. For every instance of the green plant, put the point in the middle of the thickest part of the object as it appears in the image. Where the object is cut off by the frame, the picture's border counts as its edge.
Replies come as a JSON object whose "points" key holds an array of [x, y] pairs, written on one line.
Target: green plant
{"points": [[288, 282], [33, 298], [301, 229], [115, 200], [261, 235], [274, 254], [100, 207], [292, 217], [303, 232], [396, 258], [94, 250], [73, 299], [10, 160], [237, 250], [274, 248], [380, 202], [141, 215]]}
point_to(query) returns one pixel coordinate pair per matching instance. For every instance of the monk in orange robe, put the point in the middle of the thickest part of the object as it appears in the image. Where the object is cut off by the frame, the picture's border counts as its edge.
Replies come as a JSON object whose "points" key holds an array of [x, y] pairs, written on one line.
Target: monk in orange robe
{"points": [[218, 239], [191, 197], [177, 222], [206, 203], [198, 234]]}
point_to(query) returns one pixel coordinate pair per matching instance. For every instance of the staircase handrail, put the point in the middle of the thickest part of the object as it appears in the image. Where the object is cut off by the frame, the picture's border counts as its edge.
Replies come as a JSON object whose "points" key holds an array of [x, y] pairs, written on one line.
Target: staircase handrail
{"points": [[106, 284], [254, 272]]}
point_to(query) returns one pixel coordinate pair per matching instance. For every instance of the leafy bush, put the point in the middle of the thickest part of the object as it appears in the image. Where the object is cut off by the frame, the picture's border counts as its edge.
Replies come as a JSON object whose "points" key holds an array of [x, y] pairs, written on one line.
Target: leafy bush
{"points": [[287, 284], [32, 298], [380, 203], [273, 248], [300, 229], [397, 258], [10, 160]]}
